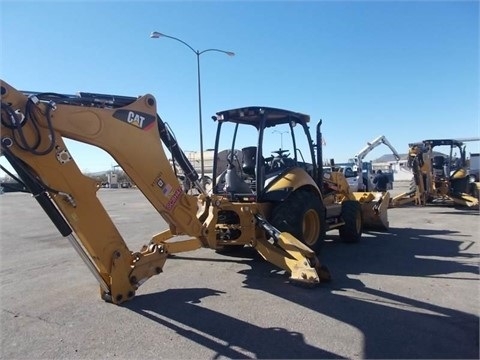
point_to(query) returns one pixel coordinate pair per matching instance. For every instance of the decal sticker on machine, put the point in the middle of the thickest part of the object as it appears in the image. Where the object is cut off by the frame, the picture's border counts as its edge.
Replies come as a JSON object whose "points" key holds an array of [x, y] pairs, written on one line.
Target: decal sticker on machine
{"points": [[166, 188], [136, 118], [174, 199]]}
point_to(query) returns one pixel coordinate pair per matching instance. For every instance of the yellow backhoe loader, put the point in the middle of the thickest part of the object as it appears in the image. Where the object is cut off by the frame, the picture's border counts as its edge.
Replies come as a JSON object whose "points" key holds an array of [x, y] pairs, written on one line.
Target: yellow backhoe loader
{"points": [[279, 205], [438, 178]]}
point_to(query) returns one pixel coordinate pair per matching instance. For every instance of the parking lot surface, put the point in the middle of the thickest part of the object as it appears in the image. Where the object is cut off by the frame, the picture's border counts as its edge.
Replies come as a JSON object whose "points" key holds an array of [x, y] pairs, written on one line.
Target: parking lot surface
{"points": [[409, 293]]}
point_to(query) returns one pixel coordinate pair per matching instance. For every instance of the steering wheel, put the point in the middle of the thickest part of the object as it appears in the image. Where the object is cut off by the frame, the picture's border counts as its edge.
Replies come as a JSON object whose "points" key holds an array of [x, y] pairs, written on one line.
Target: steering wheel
{"points": [[280, 152]]}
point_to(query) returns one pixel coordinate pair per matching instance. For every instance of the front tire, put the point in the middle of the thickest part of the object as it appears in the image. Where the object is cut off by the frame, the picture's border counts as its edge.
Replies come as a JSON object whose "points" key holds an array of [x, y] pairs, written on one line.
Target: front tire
{"points": [[302, 215], [352, 230]]}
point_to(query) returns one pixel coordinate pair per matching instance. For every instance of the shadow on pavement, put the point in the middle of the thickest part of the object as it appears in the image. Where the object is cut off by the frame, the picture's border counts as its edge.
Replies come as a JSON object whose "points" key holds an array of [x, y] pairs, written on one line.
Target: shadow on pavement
{"points": [[232, 338], [393, 326]]}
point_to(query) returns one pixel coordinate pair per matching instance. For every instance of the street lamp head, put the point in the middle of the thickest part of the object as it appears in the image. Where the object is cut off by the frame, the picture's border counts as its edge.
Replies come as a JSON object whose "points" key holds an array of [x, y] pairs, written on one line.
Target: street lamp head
{"points": [[230, 53], [155, 35]]}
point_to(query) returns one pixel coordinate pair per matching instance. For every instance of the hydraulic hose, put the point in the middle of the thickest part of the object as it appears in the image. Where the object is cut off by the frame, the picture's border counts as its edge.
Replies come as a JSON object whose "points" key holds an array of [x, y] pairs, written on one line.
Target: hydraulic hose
{"points": [[39, 193], [177, 153]]}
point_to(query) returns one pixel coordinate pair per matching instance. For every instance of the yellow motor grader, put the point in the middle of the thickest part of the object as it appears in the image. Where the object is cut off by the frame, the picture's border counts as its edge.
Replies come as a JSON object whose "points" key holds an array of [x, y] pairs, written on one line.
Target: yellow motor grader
{"points": [[280, 205], [439, 178]]}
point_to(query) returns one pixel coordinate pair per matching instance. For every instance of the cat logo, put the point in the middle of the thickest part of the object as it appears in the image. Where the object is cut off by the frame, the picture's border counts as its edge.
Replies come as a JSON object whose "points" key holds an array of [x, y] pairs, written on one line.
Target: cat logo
{"points": [[138, 119], [135, 119]]}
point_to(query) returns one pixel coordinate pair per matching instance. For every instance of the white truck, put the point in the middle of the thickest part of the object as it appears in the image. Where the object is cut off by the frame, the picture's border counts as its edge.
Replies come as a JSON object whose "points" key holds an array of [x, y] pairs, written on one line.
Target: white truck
{"points": [[350, 174], [364, 174]]}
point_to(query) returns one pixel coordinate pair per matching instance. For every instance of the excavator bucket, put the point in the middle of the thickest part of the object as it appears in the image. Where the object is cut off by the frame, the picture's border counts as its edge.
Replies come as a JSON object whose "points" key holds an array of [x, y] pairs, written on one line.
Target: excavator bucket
{"points": [[374, 209]]}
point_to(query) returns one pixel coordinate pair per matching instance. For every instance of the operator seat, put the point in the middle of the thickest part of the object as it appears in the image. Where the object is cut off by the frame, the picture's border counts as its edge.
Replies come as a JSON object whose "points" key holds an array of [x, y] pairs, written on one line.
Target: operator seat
{"points": [[249, 160], [438, 163]]}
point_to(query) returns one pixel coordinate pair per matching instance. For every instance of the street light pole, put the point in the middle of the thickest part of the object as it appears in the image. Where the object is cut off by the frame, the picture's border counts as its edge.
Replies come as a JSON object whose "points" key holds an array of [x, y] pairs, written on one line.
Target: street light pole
{"points": [[156, 35], [281, 137], [200, 122]]}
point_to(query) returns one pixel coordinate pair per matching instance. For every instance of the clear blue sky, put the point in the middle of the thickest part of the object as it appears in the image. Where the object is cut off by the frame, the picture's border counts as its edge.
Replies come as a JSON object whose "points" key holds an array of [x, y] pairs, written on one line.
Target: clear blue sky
{"points": [[406, 70]]}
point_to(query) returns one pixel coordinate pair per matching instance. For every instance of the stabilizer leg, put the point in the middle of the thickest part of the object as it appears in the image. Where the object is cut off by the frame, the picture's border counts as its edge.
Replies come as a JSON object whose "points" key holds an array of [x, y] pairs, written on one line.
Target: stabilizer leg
{"points": [[405, 198], [288, 253]]}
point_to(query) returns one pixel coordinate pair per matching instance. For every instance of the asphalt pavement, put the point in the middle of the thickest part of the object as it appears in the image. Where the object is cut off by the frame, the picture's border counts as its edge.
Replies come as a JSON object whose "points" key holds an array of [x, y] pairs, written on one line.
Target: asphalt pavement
{"points": [[410, 293]]}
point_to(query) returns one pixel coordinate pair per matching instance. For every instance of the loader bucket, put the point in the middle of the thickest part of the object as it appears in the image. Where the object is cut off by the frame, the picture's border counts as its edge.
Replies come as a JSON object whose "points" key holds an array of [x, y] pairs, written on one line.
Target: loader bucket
{"points": [[463, 199], [374, 209]]}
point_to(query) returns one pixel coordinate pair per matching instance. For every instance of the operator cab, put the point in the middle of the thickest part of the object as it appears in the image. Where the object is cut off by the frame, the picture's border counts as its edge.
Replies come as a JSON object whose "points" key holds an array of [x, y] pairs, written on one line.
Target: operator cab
{"points": [[262, 144], [447, 169]]}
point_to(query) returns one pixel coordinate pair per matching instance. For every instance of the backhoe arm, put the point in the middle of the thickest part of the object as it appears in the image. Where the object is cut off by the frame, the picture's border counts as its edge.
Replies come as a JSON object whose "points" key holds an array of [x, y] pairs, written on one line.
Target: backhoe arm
{"points": [[31, 138]]}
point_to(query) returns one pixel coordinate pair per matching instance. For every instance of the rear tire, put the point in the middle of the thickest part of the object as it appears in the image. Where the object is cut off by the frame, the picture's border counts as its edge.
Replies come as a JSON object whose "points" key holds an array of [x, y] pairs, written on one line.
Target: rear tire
{"points": [[302, 215], [352, 216]]}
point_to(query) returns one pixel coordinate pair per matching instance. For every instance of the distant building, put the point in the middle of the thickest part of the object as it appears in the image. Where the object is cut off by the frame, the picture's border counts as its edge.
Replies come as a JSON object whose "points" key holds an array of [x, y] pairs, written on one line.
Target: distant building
{"points": [[195, 159]]}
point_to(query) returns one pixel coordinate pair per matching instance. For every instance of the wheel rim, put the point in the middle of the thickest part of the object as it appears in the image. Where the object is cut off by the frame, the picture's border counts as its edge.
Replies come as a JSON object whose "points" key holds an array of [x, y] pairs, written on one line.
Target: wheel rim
{"points": [[310, 227]]}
